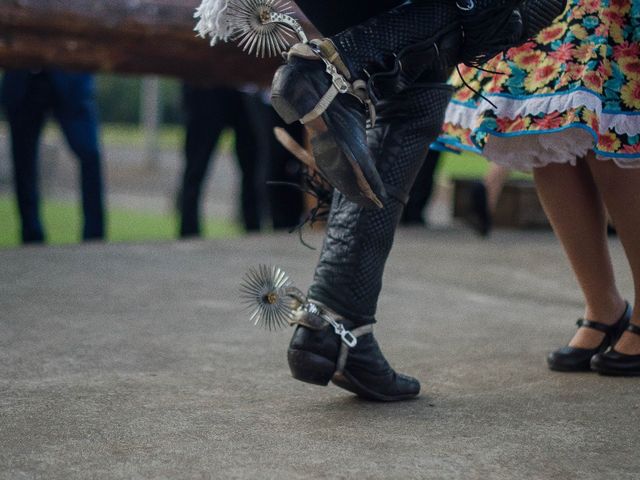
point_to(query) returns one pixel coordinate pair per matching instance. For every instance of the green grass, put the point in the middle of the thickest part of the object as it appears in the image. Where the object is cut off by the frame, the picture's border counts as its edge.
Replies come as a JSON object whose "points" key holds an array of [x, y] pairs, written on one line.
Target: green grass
{"points": [[467, 165], [170, 137], [62, 223], [62, 219], [123, 135]]}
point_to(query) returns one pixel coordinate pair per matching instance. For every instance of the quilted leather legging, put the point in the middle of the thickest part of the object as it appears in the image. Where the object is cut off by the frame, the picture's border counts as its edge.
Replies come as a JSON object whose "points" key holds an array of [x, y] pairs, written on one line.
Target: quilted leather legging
{"points": [[348, 278]]}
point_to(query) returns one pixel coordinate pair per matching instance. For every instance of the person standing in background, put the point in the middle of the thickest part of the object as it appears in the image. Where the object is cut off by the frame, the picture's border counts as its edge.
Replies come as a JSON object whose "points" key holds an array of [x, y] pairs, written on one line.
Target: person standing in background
{"points": [[286, 203], [28, 97], [208, 112], [421, 192]]}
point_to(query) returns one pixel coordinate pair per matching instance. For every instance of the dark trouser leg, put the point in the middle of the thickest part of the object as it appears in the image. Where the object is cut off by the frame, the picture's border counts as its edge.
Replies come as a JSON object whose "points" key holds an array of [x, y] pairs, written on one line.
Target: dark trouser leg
{"points": [[287, 204], [348, 277], [26, 126], [205, 120], [252, 158], [79, 122], [421, 191]]}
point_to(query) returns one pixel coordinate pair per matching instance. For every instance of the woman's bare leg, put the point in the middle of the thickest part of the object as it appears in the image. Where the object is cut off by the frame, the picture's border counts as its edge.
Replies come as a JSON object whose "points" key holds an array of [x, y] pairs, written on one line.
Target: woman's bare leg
{"points": [[620, 190], [573, 204]]}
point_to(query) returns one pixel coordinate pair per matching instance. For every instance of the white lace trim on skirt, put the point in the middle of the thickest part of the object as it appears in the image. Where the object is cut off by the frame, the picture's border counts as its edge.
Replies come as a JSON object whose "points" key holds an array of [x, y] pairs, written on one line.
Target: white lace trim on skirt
{"points": [[531, 150], [524, 152], [509, 107]]}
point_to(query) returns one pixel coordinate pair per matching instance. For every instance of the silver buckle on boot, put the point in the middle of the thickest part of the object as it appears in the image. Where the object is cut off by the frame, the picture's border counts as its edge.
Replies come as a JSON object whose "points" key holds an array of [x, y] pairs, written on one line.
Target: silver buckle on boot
{"points": [[347, 337], [337, 79]]}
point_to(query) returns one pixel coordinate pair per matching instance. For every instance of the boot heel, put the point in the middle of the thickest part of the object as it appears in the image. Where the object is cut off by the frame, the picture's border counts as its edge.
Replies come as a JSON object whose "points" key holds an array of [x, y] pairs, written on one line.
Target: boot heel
{"points": [[292, 94], [310, 368]]}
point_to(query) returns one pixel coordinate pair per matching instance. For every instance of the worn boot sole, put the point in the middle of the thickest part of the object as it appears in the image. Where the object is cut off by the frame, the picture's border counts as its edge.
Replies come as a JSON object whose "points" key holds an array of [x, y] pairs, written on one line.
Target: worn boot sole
{"points": [[346, 163], [317, 370], [348, 382]]}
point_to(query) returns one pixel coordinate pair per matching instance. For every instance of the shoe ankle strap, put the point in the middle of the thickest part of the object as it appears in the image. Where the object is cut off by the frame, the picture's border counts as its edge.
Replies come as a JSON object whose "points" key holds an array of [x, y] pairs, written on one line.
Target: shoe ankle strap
{"points": [[634, 329], [601, 327]]}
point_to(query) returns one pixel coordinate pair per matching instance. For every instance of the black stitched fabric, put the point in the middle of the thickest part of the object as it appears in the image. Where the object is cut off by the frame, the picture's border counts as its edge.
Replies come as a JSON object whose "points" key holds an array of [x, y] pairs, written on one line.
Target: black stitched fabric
{"points": [[325, 17], [371, 45], [492, 26], [348, 278]]}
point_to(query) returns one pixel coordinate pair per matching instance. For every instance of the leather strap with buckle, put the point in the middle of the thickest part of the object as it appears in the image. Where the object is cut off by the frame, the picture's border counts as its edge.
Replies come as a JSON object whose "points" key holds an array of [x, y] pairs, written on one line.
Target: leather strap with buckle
{"points": [[341, 83]]}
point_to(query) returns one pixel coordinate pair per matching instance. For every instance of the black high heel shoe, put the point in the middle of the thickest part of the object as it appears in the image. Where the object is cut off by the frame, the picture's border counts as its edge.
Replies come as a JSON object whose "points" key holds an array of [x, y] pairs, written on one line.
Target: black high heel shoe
{"points": [[572, 359], [615, 363]]}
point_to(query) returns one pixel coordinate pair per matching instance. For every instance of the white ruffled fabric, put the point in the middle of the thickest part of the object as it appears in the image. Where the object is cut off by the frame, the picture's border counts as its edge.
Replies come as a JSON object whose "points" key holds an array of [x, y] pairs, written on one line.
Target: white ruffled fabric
{"points": [[525, 152], [511, 108], [214, 20], [531, 150]]}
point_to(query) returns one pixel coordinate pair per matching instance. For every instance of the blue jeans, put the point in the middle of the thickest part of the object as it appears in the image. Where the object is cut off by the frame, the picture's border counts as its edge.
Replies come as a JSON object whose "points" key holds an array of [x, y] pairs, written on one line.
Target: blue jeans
{"points": [[77, 116]]}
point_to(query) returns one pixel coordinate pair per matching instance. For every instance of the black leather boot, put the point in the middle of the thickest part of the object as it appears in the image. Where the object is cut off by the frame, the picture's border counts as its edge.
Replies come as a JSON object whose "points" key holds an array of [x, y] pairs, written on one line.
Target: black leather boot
{"points": [[348, 277], [317, 355], [333, 86]]}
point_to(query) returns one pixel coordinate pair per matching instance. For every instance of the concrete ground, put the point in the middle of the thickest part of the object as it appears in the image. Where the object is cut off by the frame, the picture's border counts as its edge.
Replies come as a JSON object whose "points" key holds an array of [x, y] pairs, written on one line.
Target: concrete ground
{"points": [[136, 361]]}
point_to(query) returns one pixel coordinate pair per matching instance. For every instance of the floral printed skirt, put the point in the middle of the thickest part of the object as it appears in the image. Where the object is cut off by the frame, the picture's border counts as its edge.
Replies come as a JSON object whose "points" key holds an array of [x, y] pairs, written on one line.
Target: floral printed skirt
{"points": [[572, 89]]}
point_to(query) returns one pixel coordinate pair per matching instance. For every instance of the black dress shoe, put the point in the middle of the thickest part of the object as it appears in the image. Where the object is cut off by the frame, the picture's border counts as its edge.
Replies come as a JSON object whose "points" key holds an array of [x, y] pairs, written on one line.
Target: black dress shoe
{"points": [[572, 359], [615, 363], [318, 355]]}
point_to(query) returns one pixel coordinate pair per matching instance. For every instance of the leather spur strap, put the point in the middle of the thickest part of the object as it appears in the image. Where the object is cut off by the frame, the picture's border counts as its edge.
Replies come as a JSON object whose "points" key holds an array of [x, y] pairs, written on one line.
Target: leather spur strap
{"points": [[341, 83]]}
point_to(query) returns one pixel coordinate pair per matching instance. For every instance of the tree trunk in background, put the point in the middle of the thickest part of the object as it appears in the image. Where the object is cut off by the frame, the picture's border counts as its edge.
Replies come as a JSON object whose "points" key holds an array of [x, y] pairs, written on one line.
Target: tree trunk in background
{"points": [[123, 36]]}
